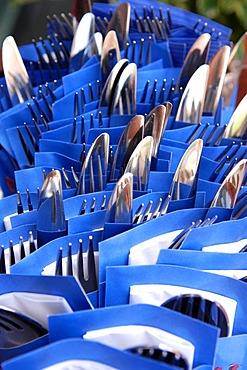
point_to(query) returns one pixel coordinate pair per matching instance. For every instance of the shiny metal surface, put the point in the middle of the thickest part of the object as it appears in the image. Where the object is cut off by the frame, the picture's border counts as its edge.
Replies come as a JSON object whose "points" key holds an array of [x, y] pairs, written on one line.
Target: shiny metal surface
{"points": [[95, 166], [110, 54], [124, 94], [51, 184], [140, 162], [52, 189], [228, 192], [83, 34], [111, 83], [168, 107], [133, 133], [94, 47], [120, 22], [120, 203], [190, 108], [217, 70], [237, 126], [187, 168], [17, 79], [155, 126], [197, 56]]}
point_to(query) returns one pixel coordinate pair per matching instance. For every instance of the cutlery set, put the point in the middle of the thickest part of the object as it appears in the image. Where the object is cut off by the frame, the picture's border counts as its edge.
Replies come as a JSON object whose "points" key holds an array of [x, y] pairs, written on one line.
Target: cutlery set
{"points": [[125, 112]]}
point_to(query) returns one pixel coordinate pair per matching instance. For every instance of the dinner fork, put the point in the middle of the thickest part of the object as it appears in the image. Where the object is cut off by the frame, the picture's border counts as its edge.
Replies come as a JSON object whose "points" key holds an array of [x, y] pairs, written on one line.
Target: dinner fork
{"points": [[74, 265], [13, 254]]}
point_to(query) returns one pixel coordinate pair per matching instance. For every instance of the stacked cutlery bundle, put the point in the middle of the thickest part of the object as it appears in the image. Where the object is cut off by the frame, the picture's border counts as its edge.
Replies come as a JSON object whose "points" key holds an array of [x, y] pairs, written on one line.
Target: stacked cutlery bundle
{"points": [[123, 201]]}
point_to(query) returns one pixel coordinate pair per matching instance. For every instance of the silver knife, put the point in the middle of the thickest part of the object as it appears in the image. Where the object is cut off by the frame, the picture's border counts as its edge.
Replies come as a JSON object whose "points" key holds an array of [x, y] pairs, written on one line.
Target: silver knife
{"points": [[18, 83]]}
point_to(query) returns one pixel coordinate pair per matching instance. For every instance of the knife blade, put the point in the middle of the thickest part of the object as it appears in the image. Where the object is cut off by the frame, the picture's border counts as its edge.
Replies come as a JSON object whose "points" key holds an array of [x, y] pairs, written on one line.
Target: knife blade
{"points": [[18, 83]]}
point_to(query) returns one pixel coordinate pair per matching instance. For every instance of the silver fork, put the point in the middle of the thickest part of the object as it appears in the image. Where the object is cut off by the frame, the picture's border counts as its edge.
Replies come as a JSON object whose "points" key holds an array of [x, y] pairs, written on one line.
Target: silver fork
{"points": [[74, 265]]}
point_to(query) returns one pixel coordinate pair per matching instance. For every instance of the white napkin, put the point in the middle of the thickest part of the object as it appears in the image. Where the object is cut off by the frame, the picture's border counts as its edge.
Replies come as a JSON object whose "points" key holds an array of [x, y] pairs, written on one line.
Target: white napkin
{"points": [[232, 247], [36, 306], [147, 252], [79, 365], [129, 336], [156, 294]]}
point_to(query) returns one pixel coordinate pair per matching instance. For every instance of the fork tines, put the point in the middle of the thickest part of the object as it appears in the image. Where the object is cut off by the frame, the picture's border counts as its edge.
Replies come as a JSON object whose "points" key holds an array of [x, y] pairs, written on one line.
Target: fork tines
{"points": [[89, 283], [63, 27], [17, 254], [151, 211], [74, 265], [178, 240], [20, 208], [101, 205], [101, 25]]}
